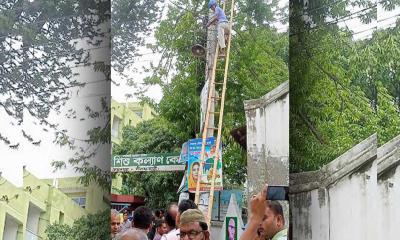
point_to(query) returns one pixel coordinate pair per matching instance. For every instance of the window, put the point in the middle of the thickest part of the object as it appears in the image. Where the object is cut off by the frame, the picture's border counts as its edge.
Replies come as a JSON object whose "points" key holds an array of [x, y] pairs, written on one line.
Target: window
{"points": [[139, 114], [115, 126], [81, 201]]}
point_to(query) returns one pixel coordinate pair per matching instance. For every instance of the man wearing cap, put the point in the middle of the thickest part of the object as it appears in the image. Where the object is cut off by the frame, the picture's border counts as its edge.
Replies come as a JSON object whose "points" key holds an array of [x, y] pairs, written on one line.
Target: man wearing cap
{"points": [[219, 17], [193, 225], [267, 219]]}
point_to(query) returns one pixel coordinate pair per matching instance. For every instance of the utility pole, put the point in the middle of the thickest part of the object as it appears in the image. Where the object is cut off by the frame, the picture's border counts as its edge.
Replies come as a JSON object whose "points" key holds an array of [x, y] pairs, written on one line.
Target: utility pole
{"points": [[202, 199]]}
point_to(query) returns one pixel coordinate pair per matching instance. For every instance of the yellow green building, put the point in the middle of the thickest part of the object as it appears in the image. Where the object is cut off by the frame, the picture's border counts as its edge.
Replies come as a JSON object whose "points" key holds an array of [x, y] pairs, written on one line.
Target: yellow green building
{"points": [[25, 212], [129, 113]]}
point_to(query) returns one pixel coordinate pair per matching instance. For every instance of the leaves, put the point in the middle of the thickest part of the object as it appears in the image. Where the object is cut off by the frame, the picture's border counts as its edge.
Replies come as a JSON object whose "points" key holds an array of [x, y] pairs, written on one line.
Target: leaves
{"points": [[342, 85], [153, 136], [90, 227]]}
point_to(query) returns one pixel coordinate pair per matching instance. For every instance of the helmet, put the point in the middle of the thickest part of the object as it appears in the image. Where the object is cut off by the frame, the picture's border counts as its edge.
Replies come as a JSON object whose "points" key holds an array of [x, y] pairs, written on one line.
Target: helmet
{"points": [[212, 3]]}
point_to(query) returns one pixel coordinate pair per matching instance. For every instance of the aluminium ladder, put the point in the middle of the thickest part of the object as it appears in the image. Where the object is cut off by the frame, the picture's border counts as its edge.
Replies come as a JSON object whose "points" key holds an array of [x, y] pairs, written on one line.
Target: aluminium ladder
{"points": [[212, 97]]}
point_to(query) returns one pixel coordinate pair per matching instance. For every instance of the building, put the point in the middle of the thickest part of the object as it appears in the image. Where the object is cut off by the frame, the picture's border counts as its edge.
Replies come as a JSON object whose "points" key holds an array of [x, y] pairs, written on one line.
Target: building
{"points": [[124, 114], [92, 198], [25, 212]]}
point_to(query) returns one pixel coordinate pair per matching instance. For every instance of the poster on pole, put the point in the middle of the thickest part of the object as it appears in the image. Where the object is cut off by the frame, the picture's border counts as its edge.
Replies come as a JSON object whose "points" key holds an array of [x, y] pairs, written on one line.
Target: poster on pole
{"points": [[231, 228], [194, 155]]}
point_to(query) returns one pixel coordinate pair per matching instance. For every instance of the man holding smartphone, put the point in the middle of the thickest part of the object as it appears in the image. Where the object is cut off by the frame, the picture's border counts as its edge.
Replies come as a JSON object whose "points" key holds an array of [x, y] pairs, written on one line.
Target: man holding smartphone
{"points": [[267, 219]]}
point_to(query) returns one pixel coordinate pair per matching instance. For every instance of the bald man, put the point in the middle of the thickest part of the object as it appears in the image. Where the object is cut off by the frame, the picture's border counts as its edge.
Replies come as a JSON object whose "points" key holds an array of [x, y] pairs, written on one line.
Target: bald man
{"points": [[115, 223], [132, 234]]}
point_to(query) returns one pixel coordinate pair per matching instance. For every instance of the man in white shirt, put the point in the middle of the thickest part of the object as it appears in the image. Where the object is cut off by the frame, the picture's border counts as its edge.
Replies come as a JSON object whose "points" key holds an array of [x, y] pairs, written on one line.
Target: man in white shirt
{"points": [[183, 206]]}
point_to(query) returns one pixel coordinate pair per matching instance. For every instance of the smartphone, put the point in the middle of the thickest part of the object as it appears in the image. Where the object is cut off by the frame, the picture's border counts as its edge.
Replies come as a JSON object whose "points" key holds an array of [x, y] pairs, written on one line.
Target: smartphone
{"points": [[275, 193]]}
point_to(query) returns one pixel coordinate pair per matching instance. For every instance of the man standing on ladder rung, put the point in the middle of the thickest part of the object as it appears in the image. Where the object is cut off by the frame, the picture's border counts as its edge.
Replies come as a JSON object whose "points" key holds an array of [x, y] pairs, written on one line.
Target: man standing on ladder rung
{"points": [[219, 17]]}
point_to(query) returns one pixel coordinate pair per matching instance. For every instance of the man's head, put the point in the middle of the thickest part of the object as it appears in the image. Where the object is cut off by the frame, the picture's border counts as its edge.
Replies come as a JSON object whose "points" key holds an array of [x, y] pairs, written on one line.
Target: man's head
{"points": [[212, 4], [114, 221], [183, 206], [173, 209], [170, 221], [273, 221], [125, 212], [193, 225], [142, 218], [161, 227], [159, 213], [132, 234]]}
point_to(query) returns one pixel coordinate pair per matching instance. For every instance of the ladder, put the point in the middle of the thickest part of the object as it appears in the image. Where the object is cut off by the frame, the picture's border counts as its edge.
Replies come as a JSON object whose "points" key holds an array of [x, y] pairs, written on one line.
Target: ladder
{"points": [[213, 98]]}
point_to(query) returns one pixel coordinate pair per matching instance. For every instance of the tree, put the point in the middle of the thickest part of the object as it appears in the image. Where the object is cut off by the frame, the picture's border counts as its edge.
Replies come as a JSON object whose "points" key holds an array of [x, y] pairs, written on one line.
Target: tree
{"points": [[42, 43], [259, 57], [90, 227], [337, 97], [131, 24], [39, 45], [153, 136]]}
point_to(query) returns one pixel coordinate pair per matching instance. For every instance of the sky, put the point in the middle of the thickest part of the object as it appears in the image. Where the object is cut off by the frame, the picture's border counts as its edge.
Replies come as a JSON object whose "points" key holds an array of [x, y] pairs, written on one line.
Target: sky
{"points": [[37, 159]]}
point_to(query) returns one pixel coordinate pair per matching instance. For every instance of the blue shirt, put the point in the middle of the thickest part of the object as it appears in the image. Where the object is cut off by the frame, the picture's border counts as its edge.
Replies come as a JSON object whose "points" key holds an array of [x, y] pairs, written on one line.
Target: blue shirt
{"points": [[219, 13]]}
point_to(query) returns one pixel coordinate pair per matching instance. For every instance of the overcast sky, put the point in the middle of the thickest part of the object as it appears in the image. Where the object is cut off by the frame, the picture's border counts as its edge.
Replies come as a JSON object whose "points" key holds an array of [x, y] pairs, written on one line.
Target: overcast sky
{"points": [[37, 159]]}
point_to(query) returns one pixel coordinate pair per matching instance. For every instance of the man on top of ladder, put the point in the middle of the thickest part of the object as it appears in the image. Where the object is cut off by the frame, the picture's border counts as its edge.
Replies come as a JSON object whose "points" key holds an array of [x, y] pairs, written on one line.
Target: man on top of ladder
{"points": [[219, 17]]}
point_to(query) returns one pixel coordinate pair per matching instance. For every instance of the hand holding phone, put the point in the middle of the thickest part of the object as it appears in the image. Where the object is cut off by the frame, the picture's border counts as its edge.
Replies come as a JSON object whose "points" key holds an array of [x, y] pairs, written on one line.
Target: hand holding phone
{"points": [[275, 193]]}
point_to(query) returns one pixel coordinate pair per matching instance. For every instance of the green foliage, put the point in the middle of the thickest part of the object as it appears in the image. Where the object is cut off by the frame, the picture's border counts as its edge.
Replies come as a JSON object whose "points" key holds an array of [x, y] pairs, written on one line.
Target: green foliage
{"points": [[42, 45], [341, 89], [258, 64], [130, 25], [39, 46], [90, 227], [153, 136]]}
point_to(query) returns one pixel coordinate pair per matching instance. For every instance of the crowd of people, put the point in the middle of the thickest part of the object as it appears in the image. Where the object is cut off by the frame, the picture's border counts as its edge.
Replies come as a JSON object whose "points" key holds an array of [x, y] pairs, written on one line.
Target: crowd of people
{"points": [[186, 221]]}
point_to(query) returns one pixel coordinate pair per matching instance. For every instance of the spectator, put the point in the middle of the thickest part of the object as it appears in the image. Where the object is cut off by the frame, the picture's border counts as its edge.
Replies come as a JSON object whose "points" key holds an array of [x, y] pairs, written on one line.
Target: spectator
{"points": [[170, 222], [183, 206], [126, 224], [142, 220], [132, 234], [193, 225], [267, 219], [114, 223], [161, 229]]}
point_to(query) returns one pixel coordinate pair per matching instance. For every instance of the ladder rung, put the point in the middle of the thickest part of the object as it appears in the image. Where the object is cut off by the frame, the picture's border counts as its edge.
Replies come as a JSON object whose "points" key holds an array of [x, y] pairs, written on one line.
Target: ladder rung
{"points": [[218, 83], [215, 128], [214, 112], [216, 97]]}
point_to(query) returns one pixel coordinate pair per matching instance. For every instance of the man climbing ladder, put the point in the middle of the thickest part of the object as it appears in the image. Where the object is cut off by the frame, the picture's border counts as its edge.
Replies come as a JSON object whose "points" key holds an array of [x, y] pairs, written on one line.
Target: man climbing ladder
{"points": [[220, 19], [216, 98]]}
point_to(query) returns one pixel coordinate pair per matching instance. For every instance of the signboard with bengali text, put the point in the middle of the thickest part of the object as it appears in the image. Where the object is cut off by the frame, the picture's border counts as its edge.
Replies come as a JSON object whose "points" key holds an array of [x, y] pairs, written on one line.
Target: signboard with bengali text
{"points": [[147, 163]]}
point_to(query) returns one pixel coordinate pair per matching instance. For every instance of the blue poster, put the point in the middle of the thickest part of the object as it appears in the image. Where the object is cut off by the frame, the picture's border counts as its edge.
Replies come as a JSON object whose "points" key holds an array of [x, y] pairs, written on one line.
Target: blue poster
{"points": [[194, 155]]}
